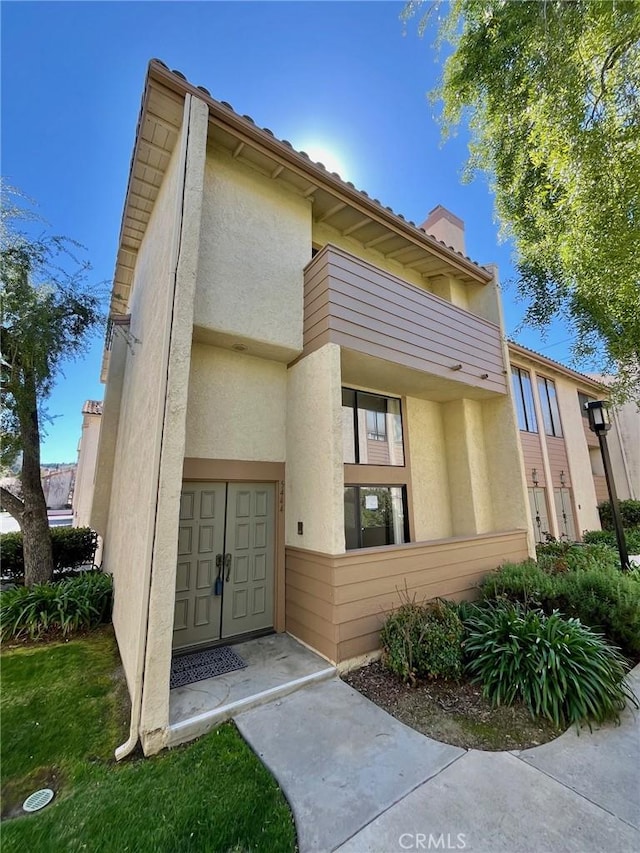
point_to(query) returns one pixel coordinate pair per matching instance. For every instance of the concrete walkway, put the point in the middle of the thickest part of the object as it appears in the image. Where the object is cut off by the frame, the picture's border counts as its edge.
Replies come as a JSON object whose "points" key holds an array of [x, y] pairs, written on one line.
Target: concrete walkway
{"points": [[359, 781]]}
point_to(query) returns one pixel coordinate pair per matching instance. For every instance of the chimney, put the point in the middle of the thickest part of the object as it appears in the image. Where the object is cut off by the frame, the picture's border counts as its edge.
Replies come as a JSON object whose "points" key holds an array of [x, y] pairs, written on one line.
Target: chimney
{"points": [[445, 226]]}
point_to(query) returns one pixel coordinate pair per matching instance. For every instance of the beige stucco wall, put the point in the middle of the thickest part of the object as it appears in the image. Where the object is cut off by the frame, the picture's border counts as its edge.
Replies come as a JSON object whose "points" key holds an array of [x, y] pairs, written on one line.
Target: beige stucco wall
{"points": [[584, 493], [314, 465], [110, 420], [256, 242], [140, 540], [237, 406], [85, 473], [626, 420], [429, 477]]}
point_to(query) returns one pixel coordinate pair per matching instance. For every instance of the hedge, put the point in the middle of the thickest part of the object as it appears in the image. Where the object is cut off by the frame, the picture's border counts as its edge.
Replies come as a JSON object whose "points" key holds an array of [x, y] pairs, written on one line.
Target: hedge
{"points": [[72, 547], [629, 510]]}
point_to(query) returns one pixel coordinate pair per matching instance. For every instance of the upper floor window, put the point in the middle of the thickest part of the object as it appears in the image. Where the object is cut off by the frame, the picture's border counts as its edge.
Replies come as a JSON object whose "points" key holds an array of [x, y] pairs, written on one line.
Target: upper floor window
{"points": [[549, 406], [371, 429], [582, 399], [523, 394]]}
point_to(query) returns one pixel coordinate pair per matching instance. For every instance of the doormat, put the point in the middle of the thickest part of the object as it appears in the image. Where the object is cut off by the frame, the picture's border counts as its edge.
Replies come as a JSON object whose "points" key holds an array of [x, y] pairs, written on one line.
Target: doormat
{"points": [[200, 665]]}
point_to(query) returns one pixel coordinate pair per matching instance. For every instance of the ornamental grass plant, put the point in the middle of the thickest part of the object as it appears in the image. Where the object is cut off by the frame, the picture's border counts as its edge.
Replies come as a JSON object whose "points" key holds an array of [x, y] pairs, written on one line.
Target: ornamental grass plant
{"points": [[558, 667]]}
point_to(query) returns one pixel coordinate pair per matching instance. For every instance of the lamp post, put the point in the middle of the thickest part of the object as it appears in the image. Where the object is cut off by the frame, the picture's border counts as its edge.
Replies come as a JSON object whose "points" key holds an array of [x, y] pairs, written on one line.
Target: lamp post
{"points": [[600, 423]]}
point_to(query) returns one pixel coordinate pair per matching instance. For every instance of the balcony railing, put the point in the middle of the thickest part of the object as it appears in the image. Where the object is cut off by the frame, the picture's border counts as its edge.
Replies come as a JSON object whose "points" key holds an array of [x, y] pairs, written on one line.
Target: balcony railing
{"points": [[362, 308]]}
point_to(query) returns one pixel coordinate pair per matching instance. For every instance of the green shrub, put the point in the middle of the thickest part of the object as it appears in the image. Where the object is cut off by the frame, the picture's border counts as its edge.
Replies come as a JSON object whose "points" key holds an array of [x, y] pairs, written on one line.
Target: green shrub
{"points": [[568, 556], [65, 607], [605, 600], [423, 641], [72, 547], [601, 596], [608, 538], [559, 668], [629, 510]]}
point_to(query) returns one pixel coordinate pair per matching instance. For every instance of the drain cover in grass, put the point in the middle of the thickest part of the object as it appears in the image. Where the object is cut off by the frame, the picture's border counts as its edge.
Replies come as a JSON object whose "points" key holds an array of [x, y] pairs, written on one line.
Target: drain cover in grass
{"points": [[38, 800]]}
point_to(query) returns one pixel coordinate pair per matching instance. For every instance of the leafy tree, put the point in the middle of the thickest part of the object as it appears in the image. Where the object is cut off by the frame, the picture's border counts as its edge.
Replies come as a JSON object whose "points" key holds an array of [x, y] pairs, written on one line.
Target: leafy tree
{"points": [[551, 90], [48, 313]]}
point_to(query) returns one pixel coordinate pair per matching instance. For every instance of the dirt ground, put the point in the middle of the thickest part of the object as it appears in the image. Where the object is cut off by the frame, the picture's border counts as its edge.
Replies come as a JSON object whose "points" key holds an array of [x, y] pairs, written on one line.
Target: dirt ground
{"points": [[452, 712]]}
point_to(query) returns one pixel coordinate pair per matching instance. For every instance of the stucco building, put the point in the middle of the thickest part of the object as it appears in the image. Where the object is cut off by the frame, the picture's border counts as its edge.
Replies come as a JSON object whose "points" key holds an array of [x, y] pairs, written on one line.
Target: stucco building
{"points": [[308, 405], [86, 467]]}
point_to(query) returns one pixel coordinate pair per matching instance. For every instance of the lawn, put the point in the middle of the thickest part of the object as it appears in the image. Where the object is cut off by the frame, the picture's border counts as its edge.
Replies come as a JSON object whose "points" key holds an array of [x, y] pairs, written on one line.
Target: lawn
{"points": [[62, 716]]}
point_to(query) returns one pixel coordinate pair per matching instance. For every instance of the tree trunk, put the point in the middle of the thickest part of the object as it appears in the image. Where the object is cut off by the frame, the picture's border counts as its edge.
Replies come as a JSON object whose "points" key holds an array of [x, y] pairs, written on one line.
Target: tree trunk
{"points": [[36, 537]]}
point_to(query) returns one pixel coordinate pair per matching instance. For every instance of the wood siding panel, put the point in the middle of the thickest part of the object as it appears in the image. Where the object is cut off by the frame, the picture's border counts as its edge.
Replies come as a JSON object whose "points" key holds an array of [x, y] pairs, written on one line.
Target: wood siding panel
{"points": [[558, 461], [343, 599], [532, 453], [602, 493], [360, 307]]}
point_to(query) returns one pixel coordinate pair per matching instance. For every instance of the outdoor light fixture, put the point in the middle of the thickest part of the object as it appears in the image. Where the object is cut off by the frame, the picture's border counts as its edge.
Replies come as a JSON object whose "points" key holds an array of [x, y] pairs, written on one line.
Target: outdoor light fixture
{"points": [[598, 412], [600, 423], [562, 480], [534, 476]]}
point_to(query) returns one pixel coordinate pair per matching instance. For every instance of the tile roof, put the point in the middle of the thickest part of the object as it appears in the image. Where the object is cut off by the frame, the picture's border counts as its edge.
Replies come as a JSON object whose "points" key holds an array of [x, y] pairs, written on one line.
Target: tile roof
{"points": [[555, 364], [92, 407], [318, 165]]}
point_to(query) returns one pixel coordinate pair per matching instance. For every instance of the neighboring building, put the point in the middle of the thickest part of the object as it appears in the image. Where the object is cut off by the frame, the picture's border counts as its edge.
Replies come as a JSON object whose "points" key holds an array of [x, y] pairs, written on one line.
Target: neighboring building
{"points": [[563, 465], [58, 482], [87, 457], [306, 396]]}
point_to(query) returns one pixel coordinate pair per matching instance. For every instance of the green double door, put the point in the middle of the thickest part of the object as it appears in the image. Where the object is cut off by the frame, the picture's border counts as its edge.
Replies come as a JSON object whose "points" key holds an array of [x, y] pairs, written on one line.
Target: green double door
{"points": [[225, 571]]}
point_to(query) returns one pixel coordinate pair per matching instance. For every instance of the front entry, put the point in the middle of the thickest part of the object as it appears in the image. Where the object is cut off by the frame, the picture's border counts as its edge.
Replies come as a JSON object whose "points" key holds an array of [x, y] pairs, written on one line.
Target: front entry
{"points": [[225, 571]]}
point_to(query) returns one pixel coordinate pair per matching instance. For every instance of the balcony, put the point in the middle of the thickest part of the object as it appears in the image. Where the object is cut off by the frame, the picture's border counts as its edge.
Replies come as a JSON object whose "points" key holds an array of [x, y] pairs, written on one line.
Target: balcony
{"points": [[382, 323]]}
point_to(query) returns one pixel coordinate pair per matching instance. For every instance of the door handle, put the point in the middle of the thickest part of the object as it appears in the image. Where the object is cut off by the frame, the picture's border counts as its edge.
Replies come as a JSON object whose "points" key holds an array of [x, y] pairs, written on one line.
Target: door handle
{"points": [[217, 586], [227, 563]]}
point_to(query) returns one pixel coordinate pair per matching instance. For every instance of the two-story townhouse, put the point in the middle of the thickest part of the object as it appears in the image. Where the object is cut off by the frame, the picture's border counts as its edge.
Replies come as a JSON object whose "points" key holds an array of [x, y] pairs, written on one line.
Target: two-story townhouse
{"points": [[307, 410], [563, 464]]}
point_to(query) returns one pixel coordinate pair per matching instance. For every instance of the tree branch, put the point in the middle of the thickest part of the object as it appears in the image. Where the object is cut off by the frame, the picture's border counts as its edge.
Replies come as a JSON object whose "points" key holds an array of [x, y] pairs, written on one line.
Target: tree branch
{"points": [[11, 504]]}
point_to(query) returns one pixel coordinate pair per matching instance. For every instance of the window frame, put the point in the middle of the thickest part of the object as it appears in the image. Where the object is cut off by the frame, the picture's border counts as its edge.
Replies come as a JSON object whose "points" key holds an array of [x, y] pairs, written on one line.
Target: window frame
{"points": [[389, 434], [528, 418], [358, 512], [549, 407]]}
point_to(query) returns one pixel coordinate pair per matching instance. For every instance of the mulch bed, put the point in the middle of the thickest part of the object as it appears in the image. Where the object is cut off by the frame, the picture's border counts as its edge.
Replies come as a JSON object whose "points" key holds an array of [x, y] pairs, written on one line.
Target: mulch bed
{"points": [[452, 712]]}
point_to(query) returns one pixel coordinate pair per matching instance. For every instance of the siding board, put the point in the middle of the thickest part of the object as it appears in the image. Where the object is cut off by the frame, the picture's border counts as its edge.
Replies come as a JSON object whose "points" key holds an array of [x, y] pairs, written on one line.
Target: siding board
{"points": [[365, 584], [360, 307]]}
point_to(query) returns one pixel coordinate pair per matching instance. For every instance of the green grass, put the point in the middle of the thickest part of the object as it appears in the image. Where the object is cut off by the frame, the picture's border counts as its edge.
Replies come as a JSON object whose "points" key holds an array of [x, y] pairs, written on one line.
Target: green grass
{"points": [[62, 716]]}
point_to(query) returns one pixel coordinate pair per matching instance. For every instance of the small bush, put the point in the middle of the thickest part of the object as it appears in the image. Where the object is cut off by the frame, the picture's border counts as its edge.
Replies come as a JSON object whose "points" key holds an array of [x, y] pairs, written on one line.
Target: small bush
{"points": [[559, 668], [423, 641], [629, 510], [556, 557], [601, 596], [72, 547], [608, 538], [65, 607]]}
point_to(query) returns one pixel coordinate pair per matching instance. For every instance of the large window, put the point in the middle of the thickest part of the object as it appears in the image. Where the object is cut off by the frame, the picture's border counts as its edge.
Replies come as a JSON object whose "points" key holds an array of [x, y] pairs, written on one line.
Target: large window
{"points": [[371, 429], [523, 394], [375, 515], [549, 406]]}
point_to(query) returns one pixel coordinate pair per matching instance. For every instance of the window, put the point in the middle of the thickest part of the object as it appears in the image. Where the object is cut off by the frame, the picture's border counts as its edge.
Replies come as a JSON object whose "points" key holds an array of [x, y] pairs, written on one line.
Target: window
{"points": [[523, 394], [549, 406], [375, 515], [371, 429], [582, 399]]}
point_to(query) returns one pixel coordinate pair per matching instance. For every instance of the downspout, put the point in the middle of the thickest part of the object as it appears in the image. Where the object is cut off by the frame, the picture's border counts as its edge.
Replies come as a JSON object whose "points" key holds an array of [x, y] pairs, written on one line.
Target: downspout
{"points": [[130, 744]]}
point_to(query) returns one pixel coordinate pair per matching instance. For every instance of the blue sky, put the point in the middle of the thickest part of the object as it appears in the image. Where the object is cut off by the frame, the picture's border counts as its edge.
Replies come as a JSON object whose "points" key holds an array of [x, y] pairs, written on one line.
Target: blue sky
{"points": [[347, 76]]}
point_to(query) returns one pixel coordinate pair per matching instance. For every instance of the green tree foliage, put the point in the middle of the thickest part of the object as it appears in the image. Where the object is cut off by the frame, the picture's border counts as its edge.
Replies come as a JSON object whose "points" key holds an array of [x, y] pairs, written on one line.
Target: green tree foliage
{"points": [[551, 91], [48, 313]]}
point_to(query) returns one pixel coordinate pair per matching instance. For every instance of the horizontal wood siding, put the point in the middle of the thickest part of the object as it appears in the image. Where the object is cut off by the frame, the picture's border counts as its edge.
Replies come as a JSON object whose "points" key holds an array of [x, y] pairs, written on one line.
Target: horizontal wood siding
{"points": [[358, 306], [592, 438], [532, 453], [558, 461], [337, 604], [602, 493]]}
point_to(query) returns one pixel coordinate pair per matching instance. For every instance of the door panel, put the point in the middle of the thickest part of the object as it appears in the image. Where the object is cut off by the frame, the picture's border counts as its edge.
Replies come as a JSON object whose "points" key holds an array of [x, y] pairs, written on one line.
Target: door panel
{"points": [[539, 516], [564, 513], [200, 539], [248, 592]]}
